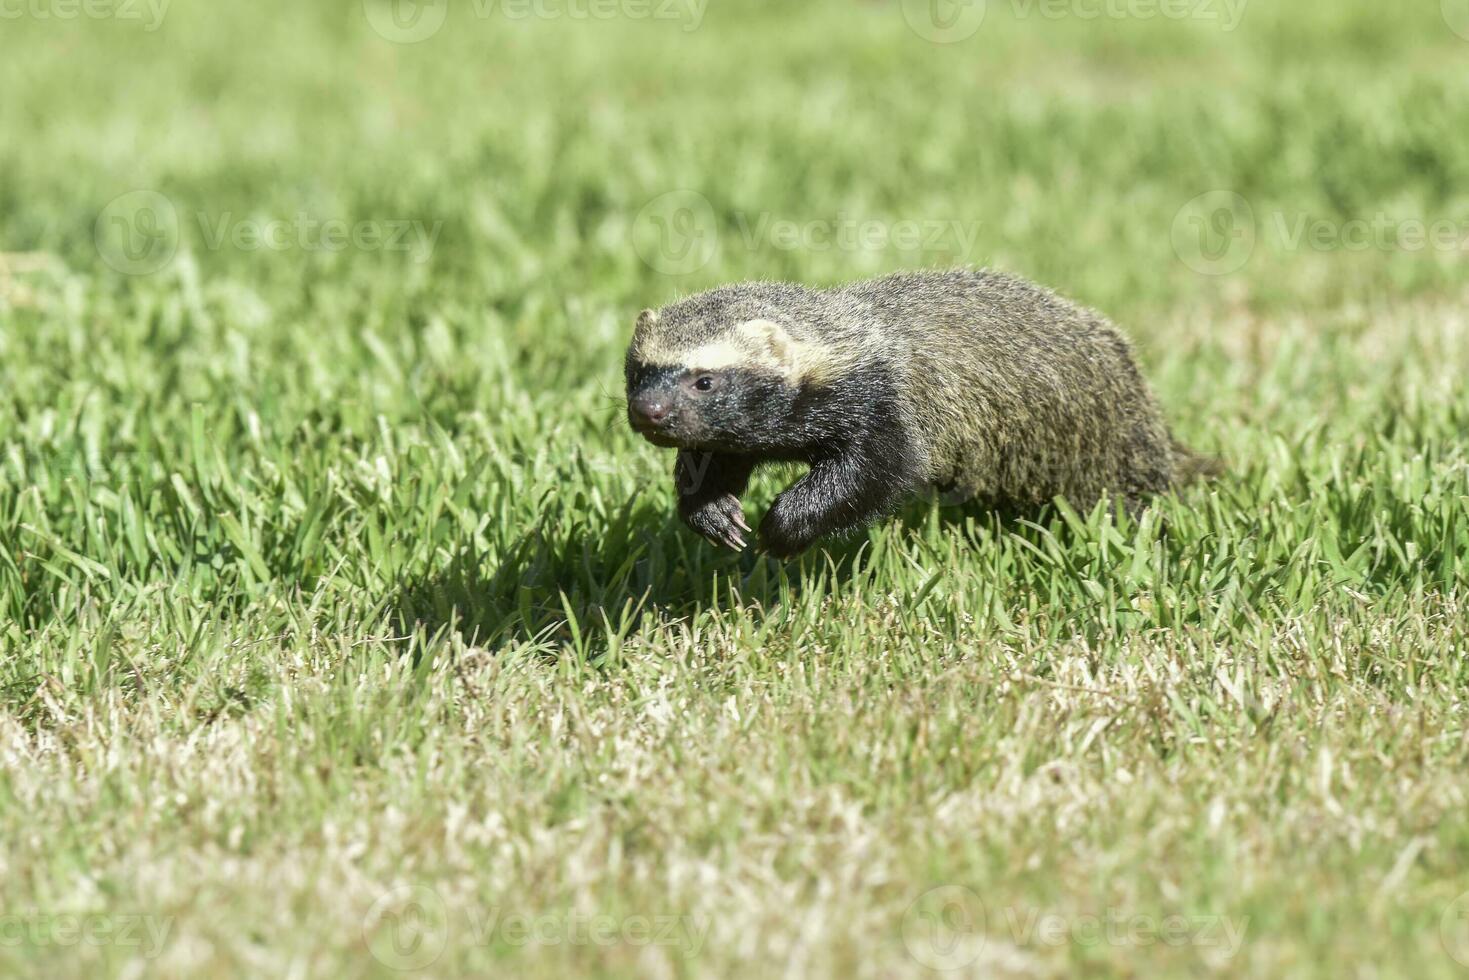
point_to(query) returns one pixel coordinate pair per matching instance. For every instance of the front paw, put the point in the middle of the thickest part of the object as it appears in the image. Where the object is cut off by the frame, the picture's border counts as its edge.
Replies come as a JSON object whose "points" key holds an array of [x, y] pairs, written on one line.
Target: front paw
{"points": [[721, 520]]}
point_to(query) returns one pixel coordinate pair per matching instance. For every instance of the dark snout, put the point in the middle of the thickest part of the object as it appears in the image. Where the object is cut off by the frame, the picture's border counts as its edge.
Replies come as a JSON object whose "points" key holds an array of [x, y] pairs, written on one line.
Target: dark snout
{"points": [[650, 413], [648, 410]]}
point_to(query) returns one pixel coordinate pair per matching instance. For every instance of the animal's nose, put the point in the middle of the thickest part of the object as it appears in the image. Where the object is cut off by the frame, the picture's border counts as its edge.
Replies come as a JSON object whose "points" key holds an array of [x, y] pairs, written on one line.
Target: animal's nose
{"points": [[648, 409]]}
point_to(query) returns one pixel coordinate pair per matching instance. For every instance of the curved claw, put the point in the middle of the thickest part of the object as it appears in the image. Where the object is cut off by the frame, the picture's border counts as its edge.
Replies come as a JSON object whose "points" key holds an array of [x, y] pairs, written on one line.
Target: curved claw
{"points": [[721, 521], [737, 514]]}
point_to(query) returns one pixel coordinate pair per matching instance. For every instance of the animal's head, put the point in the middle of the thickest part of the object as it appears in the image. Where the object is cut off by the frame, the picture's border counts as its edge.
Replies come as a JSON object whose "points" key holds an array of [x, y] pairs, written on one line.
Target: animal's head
{"points": [[713, 375]]}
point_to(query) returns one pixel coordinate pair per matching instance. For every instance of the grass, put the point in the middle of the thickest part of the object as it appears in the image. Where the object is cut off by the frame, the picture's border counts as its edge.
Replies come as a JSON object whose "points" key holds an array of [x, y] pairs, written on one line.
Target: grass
{"points": [[348, 632]]}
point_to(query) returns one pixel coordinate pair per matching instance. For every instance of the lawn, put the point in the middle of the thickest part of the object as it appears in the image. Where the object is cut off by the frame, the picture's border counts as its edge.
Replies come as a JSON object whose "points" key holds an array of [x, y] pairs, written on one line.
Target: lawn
{"points": [[346, 630]]}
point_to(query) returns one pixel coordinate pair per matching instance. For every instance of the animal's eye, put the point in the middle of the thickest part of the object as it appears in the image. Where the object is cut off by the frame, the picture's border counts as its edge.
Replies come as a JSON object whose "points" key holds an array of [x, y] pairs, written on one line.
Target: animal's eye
{"points": [[705, 382]]}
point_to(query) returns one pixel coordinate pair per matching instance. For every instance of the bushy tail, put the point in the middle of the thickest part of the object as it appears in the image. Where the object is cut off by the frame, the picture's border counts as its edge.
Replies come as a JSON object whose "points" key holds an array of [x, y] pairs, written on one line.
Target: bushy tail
{"points": [[1189, 466]]}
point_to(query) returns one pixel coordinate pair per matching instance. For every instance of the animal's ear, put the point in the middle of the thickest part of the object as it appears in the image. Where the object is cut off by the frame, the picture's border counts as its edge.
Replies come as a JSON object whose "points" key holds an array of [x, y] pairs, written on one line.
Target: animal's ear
{"points": [[789, 356], [647, 320]]}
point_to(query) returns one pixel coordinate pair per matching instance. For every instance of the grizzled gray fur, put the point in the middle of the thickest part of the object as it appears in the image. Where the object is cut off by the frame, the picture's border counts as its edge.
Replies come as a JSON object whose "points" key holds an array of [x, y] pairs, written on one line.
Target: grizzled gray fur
{"points": [[974, 382]]}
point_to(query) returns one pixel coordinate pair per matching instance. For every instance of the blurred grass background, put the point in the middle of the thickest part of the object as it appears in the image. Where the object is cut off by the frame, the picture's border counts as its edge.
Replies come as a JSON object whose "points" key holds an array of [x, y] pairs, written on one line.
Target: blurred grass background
{"points": [[331, 574]]}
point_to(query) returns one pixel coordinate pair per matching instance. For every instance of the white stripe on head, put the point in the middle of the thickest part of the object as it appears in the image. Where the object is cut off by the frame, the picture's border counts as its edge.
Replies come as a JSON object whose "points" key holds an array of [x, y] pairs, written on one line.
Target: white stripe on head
{"points": [[755, 344]]}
